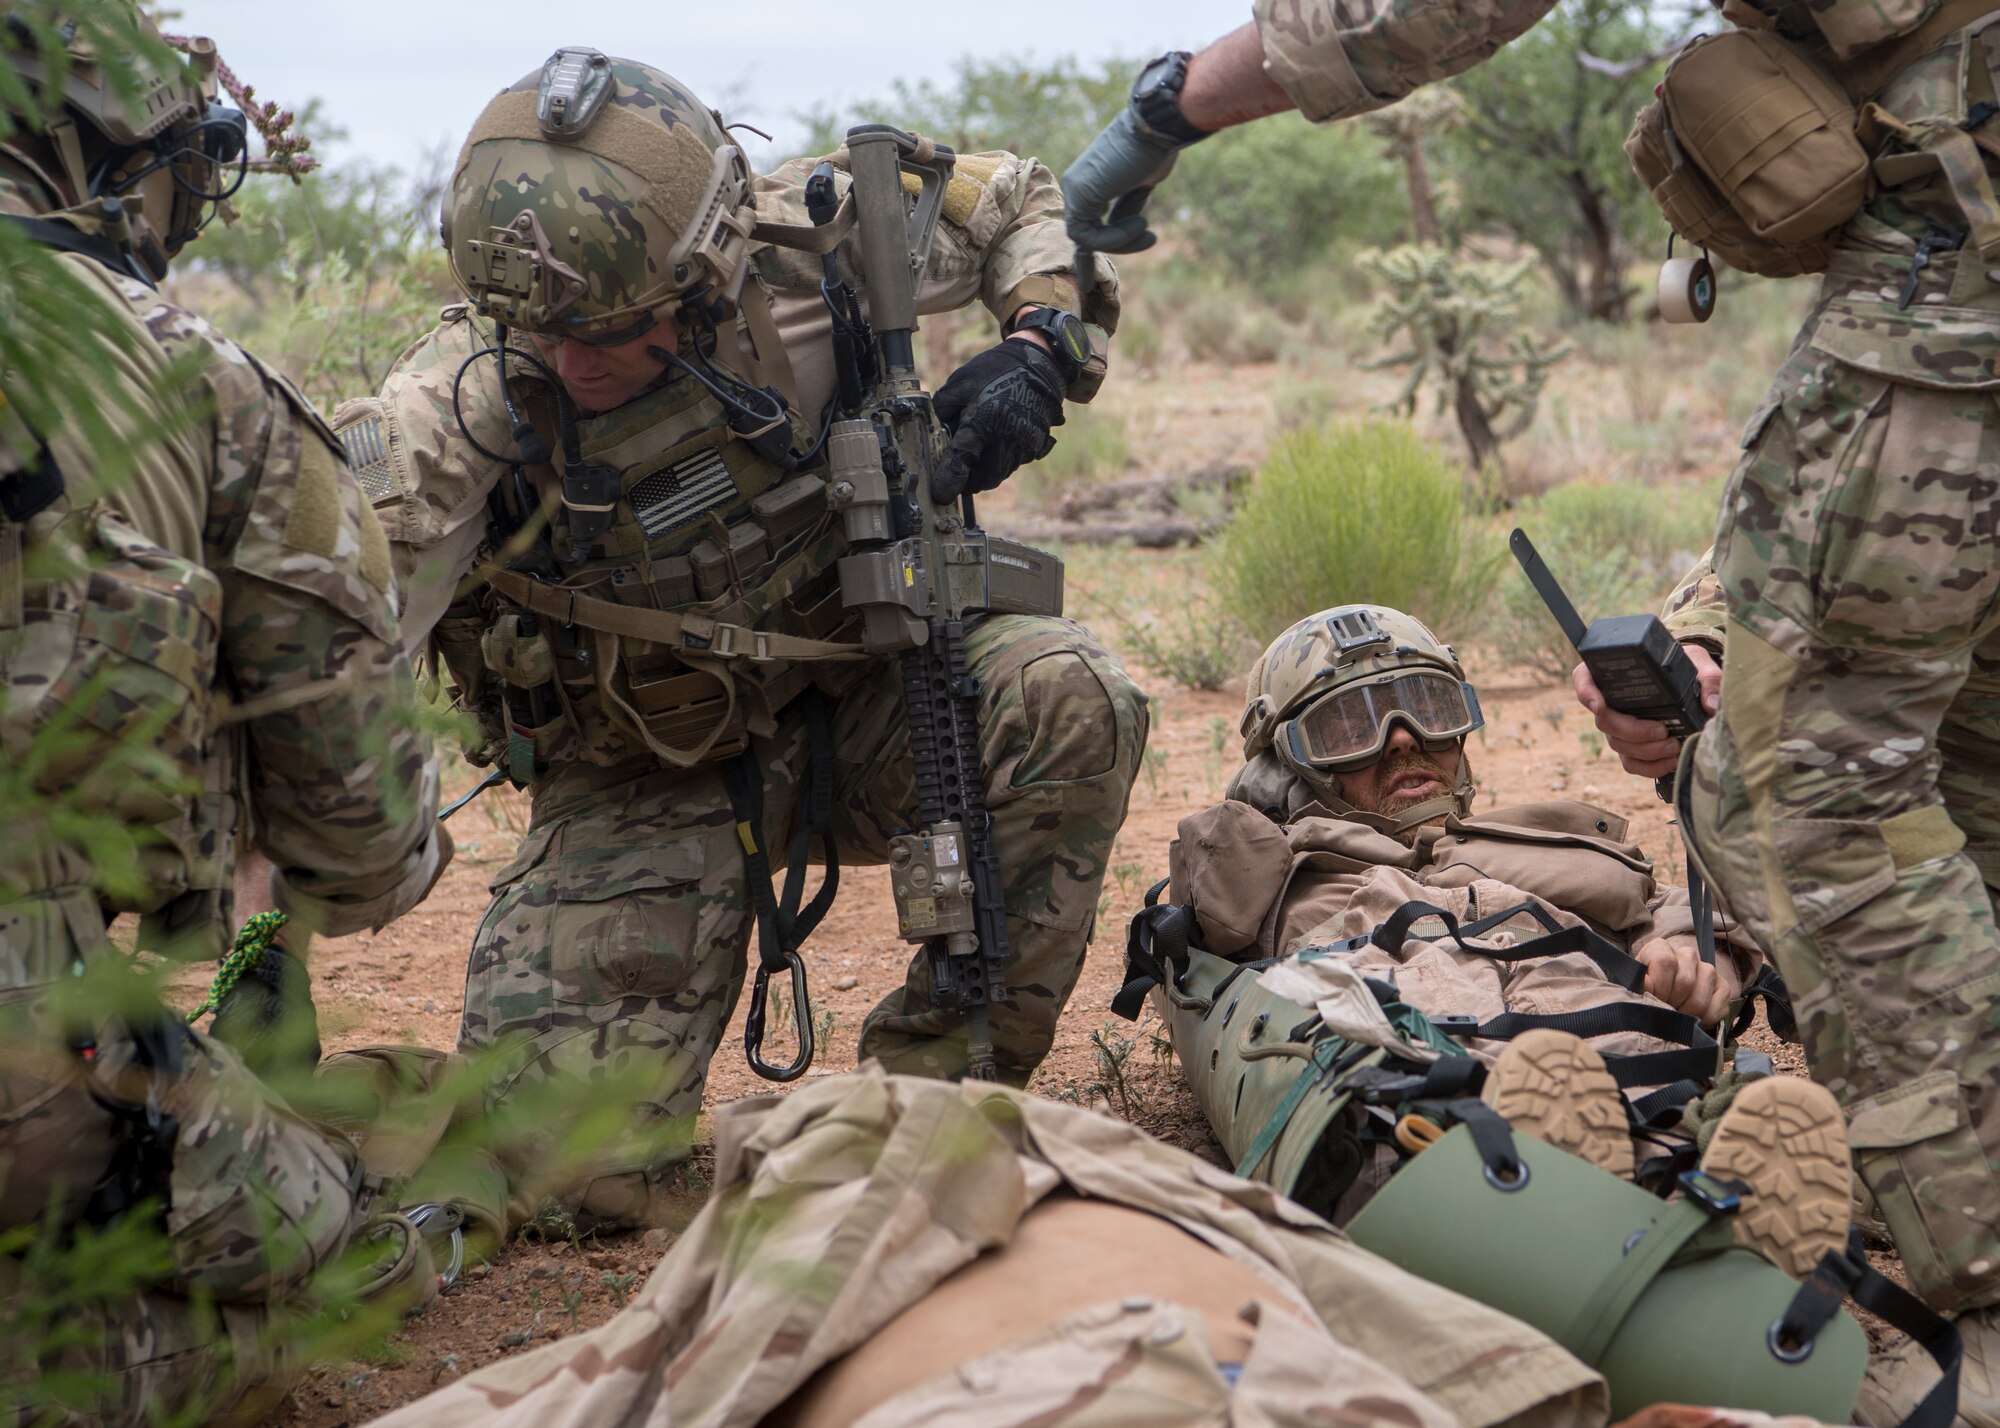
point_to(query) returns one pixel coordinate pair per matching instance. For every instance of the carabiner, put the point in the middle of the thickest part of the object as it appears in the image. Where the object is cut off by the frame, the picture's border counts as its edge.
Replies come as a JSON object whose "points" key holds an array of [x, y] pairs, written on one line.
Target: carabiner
{"points": [[753, 1022]]}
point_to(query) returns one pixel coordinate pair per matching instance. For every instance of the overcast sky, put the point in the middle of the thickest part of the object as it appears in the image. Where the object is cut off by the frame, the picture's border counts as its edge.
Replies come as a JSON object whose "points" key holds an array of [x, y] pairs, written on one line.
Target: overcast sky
{"points": [[406, 75]]}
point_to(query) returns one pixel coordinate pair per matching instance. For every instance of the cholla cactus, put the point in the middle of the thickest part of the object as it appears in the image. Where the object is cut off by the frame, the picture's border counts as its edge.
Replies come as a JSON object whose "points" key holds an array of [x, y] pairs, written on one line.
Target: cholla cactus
{"points": [[1402, 128], [1454, 317]]}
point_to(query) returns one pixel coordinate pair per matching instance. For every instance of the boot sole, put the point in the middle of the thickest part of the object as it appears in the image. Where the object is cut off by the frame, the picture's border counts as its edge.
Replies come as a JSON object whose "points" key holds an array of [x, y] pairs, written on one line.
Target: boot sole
{"points": [[1785, 1138], [1556, 1088]]}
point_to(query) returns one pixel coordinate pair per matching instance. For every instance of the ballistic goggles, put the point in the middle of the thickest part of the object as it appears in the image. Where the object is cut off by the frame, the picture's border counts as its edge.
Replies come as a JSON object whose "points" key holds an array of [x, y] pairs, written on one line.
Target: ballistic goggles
{"points": [[1349, 726]]}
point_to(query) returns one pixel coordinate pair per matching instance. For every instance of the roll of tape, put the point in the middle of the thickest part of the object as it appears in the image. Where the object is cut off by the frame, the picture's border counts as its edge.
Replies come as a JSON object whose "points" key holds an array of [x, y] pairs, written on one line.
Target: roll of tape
{"points": [[1687, 290]]}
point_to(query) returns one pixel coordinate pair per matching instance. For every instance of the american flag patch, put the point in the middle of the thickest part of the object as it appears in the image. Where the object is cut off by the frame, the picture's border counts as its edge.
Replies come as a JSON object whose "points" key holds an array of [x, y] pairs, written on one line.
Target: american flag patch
{"points": [[368, 454], [681, 491]]}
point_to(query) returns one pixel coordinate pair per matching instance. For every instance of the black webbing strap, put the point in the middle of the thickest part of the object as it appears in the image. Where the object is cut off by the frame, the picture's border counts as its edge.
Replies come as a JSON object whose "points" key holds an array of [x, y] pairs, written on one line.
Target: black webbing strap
{"points": [[1663, 1106], [1845, 1274], [1701, 906], [1769, 988], [1445, 1080], [782, 925], [66, 239], [1492, 1136], [1156, 946], [1697, 1062], [1618, 967]]}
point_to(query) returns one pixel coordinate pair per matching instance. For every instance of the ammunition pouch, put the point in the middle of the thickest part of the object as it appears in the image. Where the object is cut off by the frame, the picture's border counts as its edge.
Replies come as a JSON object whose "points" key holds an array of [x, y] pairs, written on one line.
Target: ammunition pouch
{"points": [[1759, 149], [521, 657], [1657, 1297], [110, 648], [1751, 153]]}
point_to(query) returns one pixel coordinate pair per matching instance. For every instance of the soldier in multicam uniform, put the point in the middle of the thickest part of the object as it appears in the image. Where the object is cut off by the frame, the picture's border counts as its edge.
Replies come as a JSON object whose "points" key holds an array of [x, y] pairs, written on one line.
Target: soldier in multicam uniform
{"points": [[1843, 804], [198, 658], [668, 358], [1056, 1267]]}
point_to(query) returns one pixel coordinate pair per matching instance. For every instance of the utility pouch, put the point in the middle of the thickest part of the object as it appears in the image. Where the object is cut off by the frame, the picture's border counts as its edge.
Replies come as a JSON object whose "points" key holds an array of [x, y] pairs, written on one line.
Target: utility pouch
{"points": [[110, 672], [1656, 1297], [680, 706], [1751, 153], [515, 649]]}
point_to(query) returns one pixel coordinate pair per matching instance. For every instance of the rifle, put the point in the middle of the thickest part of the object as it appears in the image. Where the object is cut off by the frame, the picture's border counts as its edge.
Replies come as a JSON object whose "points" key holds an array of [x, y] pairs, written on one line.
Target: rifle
{"points": [[918, 570]]}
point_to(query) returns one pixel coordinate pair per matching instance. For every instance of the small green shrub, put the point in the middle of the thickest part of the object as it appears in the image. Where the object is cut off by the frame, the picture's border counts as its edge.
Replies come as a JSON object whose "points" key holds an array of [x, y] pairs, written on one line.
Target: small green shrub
{"points": [[1210, 322], [1617, 551], [1196, 642], [1356, 512], [1302, 404], [1090, 446], [1260, 337], [1139, 343]]}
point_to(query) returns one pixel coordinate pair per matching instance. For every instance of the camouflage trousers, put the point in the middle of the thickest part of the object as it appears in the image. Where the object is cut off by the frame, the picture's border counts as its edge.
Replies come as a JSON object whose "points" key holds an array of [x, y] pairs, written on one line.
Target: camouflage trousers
{"points": [[1846, 802], [615, 946], [256, 1200]]}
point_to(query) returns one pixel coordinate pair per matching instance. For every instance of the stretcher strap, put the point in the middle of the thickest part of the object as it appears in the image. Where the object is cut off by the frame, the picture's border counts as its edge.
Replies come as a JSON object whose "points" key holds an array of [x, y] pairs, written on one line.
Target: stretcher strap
{"points": [[1618, 967], [1845, 1274]]}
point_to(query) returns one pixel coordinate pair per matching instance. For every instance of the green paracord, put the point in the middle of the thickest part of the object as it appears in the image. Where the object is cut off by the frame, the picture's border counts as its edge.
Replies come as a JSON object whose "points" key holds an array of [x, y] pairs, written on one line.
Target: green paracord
{"points": [[251, 943]]}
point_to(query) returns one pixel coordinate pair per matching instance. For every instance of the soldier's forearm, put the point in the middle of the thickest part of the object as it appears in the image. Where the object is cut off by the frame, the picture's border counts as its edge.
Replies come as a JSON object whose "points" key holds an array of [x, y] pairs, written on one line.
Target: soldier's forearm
{"points": [[1227, 85]]}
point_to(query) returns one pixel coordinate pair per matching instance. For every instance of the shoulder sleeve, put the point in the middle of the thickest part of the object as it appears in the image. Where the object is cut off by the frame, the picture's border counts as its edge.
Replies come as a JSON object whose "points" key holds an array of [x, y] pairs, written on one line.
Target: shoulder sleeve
{"points": [[1694, 612], [425, 480], [1001, 240], [1339, 58], [340, 782]]}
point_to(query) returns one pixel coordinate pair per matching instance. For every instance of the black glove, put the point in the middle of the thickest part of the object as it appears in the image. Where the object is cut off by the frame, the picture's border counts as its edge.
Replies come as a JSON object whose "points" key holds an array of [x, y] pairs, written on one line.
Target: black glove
{"points": [[999, 408], [269, 1019]]}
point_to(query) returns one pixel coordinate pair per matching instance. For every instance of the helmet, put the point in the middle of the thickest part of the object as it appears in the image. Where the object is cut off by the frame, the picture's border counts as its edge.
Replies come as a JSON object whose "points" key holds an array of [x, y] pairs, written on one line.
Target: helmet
{"points": [[1325, 695], [593, 195], [167, 139]]}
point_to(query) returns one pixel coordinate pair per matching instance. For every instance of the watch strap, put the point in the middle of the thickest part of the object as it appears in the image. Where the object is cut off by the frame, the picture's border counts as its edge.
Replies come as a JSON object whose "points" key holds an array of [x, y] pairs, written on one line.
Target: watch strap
{"points": [[1158, 105], [1044, 319]]}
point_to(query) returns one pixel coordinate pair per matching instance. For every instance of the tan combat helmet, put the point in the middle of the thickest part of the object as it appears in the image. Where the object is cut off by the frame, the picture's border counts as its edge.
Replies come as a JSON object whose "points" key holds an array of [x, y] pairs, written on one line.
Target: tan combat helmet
{"points": [[1325, 695], [165, 149], [593, 196]]}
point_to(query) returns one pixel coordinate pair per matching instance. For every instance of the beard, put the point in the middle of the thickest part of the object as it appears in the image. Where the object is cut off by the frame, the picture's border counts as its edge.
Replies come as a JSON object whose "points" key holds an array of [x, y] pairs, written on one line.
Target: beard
{"points": [[1395, 805]]}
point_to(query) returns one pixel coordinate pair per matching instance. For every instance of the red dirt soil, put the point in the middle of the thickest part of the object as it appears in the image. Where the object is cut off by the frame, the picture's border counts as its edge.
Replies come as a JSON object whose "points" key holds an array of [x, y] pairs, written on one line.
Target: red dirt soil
{"points": [[405, 983]]}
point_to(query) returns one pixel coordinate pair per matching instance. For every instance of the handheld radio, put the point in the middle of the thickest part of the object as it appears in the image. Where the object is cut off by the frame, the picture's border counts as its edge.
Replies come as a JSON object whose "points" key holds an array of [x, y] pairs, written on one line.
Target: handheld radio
{"points": [[1639, 666]]}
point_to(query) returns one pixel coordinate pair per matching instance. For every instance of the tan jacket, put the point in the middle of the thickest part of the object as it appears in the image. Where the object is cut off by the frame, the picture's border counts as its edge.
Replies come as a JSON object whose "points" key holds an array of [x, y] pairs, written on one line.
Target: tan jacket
{"points": [[1262, 890], [838, 1206]]}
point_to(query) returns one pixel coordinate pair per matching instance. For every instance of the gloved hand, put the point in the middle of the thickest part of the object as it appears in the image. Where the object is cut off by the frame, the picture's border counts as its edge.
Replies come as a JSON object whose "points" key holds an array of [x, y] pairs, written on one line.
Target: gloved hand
{"points": [[269, 1019], [999, 408], [1105, 190]]}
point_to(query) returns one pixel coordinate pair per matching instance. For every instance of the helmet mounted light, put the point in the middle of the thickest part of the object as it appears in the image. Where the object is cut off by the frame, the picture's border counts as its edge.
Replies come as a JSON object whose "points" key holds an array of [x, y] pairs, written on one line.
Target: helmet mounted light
{"points": [[574, 85]]}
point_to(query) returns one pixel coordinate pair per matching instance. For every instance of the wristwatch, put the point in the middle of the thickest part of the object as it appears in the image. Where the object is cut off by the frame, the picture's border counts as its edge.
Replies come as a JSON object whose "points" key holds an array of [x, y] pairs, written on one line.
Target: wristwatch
{"points": [[1156, 98], [1068, 338]]}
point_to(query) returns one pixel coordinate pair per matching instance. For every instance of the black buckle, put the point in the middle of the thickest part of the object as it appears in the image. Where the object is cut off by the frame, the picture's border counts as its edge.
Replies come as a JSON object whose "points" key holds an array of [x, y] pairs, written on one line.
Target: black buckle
{"points": [[1714, 1194]]}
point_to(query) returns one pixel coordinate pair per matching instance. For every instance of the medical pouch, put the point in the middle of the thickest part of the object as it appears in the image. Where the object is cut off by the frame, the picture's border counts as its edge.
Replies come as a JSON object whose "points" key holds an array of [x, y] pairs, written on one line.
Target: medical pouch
{"points": [[1751, 153]]}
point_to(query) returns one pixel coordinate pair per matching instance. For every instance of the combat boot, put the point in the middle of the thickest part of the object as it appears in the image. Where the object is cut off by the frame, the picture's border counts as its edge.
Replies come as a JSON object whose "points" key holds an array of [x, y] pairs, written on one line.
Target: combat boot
{"points": [[1555, 1087], [1784, 1137], [1900, 1376]]}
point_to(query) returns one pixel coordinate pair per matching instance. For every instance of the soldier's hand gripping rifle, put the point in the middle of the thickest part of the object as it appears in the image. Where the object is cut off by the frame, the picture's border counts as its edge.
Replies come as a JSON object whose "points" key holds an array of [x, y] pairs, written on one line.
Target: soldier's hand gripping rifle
{"points": [[918, 569]]}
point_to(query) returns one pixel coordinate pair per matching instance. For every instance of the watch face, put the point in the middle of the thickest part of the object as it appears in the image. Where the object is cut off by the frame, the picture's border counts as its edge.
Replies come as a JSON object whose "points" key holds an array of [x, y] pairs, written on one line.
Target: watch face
{"points": [[1167, 72], [1069, 333]]}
